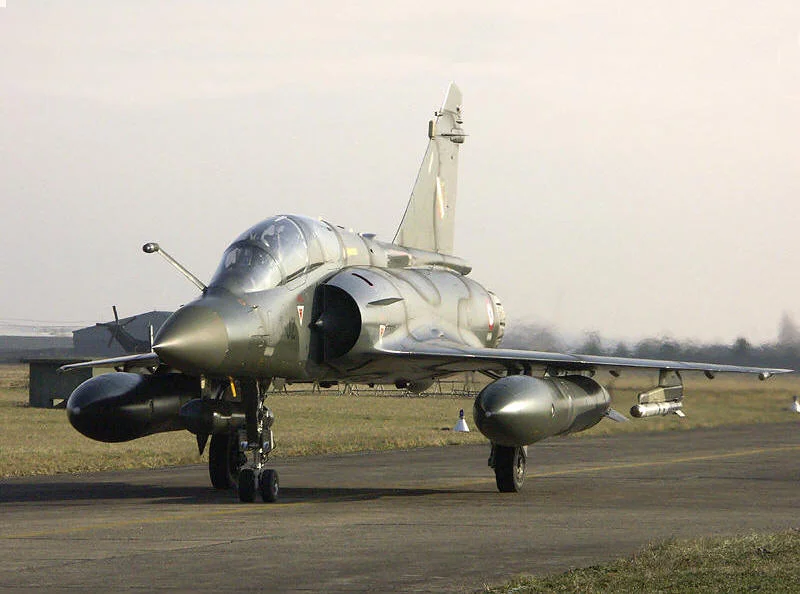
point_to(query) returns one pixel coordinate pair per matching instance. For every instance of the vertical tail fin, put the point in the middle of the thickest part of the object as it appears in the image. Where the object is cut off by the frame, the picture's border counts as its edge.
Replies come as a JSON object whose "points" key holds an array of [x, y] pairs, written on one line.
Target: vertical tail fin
{"points": [[429, 220]]}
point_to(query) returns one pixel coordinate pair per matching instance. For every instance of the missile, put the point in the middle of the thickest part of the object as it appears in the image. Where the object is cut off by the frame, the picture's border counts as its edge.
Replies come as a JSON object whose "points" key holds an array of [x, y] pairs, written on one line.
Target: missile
{"points": [[207, 417], [657, 409]]}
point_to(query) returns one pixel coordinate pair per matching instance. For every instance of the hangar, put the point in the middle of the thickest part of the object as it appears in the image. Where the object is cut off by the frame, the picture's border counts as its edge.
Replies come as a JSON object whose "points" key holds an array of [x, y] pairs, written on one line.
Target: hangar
{"points": [[122, 336]]}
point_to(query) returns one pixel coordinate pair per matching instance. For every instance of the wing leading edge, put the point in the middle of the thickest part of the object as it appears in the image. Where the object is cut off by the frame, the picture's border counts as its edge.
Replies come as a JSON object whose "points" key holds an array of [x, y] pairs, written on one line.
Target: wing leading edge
{"points": [[449, 357], [125, 361]]}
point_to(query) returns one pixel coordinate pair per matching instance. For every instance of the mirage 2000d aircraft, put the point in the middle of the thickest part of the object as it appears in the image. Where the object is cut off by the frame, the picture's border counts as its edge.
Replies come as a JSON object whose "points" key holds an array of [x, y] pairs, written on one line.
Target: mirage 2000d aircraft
{"points": [[304, 300]]}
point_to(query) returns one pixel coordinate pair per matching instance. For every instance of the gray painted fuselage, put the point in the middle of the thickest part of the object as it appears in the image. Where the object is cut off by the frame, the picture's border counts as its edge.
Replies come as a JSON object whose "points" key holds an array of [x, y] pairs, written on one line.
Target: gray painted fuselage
{"points": [[324, 305]]}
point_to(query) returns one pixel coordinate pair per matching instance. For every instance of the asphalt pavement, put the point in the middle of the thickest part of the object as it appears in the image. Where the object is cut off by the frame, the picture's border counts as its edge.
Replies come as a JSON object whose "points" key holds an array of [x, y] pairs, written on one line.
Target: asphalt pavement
{"points": [[426, 520]]}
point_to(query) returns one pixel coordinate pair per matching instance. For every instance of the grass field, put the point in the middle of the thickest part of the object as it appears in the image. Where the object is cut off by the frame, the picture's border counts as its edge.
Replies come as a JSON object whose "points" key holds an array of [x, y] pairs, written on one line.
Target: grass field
{"points": [[752, 563], [41, 441]]}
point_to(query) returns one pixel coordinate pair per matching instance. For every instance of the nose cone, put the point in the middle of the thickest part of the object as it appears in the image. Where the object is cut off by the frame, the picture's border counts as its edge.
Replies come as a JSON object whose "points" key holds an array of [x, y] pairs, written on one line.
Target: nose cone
{"points": [[194, 338]]}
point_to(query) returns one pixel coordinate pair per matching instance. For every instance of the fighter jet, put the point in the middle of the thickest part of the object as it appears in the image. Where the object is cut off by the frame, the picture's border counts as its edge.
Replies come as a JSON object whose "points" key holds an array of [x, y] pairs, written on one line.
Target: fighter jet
{"points": [[307, 301]]}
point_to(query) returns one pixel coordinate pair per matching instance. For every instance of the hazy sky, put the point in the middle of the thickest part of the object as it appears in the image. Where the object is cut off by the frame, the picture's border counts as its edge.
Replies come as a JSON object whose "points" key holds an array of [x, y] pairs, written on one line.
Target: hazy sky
{"points": [[632, 167]]}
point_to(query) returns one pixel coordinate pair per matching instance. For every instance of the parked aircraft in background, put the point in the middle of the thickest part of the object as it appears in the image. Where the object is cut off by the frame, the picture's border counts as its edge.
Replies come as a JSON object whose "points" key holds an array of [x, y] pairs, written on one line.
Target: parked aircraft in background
{"points": [[307, 301], [126, 340]]}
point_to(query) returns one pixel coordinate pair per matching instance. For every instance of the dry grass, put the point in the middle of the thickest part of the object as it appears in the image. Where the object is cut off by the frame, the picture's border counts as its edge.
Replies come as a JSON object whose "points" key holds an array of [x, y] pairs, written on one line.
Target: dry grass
{"points": [[41, 441], [752, 563], [726, 400]]}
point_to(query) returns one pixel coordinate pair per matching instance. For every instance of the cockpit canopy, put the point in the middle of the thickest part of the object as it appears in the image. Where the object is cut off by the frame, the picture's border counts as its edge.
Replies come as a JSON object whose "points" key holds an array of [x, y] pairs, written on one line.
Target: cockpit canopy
{"points": [[276, 251]]}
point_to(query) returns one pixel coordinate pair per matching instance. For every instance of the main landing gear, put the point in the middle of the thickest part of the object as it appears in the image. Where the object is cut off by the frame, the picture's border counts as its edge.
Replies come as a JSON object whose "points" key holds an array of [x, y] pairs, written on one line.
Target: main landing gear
{"points": [[236, 458], [225, 460], [509, 467]]}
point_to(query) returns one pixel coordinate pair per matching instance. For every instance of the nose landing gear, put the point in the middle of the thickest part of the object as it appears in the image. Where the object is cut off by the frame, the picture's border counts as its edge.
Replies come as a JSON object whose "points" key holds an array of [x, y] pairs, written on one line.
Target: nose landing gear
{"points": [[256, 446]]}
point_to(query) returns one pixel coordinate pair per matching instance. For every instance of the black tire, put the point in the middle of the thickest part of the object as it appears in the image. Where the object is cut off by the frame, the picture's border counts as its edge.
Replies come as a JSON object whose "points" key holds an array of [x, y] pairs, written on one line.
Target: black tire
{"points": [[223, 461], [268, 485], [509, 468], [247, 485]]}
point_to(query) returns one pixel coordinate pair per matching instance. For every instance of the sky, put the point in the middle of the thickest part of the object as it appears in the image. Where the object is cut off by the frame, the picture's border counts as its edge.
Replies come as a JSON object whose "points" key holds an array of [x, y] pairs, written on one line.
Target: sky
{"points": [[631, 167]]}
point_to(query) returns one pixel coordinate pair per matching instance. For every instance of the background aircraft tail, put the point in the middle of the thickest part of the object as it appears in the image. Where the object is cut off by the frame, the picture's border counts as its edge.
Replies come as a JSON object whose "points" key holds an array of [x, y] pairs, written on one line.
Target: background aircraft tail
{"points": [[429, 220]]}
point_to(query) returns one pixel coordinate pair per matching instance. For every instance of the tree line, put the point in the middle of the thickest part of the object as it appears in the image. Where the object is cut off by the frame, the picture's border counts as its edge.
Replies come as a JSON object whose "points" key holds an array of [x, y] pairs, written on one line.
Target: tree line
{"points": [[784, 352]]}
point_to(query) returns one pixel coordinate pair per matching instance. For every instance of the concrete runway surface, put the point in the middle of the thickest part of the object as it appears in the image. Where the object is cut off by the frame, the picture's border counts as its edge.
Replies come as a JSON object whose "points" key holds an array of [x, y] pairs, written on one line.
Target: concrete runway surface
{"points": [[425, 520]]}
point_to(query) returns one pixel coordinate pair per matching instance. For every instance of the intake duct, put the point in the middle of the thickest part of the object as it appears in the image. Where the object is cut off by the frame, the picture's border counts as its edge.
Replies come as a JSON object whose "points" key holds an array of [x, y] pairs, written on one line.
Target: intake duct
{"points": [[336, 323]]}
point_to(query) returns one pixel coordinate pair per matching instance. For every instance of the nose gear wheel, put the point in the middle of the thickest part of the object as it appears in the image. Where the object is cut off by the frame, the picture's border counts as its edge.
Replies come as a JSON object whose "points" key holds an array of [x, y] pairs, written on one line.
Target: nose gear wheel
{"points": [[255, 444]]}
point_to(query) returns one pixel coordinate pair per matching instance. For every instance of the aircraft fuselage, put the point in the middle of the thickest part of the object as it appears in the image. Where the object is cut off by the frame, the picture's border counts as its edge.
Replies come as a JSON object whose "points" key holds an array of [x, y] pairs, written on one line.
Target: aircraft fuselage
{"points": [[303, 300]]}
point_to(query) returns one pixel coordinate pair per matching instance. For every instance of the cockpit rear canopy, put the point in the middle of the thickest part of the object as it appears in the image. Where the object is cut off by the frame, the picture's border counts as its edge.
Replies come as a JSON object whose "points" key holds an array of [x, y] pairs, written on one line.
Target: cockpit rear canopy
{"points": [[276, 251]]}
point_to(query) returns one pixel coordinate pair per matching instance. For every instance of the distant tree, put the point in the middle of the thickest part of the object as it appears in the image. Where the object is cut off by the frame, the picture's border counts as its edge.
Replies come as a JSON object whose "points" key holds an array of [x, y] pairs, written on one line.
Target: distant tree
{"points": [[671, 348], [535, 337], [788, 332], [621, 350], [547, 339], [592, 344], [659, 348], [741, 346], [648, 348], [741, 351]]}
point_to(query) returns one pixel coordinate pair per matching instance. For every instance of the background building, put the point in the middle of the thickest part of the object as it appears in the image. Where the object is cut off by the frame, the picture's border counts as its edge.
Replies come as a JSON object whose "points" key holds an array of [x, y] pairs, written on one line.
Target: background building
{"points": [[119, 337]]}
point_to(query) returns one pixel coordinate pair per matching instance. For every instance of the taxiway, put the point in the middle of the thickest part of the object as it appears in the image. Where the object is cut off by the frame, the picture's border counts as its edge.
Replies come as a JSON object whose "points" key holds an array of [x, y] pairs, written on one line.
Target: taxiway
{"points": [[412, 521]]}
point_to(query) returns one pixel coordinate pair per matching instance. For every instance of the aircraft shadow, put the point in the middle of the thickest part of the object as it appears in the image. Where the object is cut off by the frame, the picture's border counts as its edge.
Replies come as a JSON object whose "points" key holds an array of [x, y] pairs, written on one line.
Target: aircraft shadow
{"points": [[338, 494], [77, 492], [20, 492]]}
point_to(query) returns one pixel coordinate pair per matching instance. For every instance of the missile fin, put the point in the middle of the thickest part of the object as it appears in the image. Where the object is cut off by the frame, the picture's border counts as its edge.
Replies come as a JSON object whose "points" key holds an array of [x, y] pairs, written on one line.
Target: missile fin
{"points": [[202, 440], [617, 416]]}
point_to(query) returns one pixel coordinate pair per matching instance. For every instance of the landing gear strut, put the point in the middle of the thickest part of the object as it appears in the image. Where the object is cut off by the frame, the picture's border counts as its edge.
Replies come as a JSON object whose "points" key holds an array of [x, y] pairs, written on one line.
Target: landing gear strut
{"points": [[509, 467], [255, 444]]}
